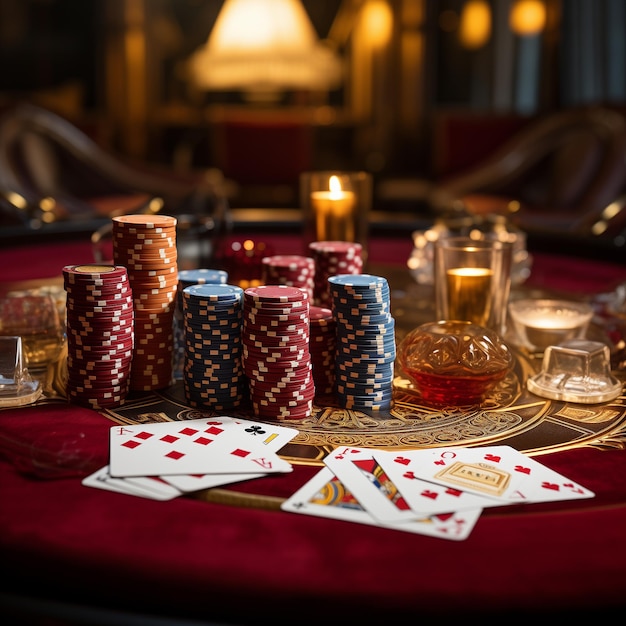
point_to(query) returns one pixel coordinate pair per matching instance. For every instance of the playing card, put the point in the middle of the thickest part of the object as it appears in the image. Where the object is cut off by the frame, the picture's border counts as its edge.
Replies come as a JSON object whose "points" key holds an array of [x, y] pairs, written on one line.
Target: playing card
{"points": [[161, 488], [499, 472], [269, 436], [326, 496], [426, 497], [201, 446], [189, 483], [102, 479], [359, 471]]}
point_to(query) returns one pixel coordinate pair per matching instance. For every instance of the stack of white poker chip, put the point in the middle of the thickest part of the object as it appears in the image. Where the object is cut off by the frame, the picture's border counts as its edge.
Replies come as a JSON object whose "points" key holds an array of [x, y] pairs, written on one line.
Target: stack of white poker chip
{"points": [[332, 258], [212, 321], [366, 347], [292, 270], [276, 356], [187, 278], [99, 323], [322, 346], [146, 246]]}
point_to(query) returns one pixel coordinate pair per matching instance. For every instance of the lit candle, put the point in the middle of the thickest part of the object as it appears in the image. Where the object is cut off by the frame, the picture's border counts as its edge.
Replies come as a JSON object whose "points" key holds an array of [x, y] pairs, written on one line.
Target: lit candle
{"points": [[544, 323], [469, 294], [334, 212], [552, 321]]}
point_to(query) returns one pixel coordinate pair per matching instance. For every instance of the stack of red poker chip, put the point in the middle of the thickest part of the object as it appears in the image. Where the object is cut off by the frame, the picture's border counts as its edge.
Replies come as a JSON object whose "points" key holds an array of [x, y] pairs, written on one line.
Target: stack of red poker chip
{"points": [[332, 258], [292, 270], [275, 352], [322, 346], [99, 325], [146, 246]]}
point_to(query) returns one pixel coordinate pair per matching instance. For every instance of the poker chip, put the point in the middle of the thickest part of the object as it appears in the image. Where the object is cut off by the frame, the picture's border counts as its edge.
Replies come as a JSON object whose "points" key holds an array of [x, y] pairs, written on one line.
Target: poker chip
{"points": [[93, 274], [201, 276], [100, 334], [365, 348], [267, 295], [275, 351], [143, 222]]}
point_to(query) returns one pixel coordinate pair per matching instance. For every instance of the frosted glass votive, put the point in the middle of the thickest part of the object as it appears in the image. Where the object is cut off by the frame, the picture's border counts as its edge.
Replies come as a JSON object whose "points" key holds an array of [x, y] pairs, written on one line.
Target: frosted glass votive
{"points": [[540, 323]]}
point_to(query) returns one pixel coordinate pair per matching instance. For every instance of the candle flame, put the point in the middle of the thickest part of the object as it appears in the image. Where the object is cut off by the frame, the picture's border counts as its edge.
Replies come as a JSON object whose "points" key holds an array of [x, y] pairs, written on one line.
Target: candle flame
{"points": [[335, 187]]}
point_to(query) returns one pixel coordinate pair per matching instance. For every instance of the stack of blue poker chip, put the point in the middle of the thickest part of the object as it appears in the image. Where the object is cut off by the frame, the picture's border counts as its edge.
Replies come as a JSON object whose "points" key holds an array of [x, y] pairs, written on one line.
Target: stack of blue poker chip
{"points": [[366, 346], [187, 278], [212, 322]]}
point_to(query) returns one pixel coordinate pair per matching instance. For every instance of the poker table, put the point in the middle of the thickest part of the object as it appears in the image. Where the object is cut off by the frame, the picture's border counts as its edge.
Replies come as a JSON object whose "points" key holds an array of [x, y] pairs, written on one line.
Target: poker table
{"points": [[231, 556]]}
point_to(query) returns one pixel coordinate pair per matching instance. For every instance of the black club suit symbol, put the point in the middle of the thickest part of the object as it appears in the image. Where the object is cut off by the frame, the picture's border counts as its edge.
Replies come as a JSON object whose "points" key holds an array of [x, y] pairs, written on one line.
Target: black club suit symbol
{"points": [[255, 430]]}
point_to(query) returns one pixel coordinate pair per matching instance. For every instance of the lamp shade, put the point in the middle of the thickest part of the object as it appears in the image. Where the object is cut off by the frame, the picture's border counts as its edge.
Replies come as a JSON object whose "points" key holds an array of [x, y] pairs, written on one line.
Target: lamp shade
{"points": [[264, 44]]}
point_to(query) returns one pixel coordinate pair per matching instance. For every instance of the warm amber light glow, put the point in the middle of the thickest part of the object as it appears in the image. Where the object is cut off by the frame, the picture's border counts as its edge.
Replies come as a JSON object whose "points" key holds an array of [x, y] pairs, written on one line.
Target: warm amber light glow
{"points": [[611, 210], [527, 17], [244, 25], [156, 204], [602, 225], [378, 22], [475, 28], [16, 199], [599, 227], [264, 44], [47, 204]]}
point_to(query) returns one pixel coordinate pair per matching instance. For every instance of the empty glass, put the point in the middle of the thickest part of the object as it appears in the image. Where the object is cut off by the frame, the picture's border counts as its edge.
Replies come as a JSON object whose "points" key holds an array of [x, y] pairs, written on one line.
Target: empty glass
{"points": [[576, 371], [34, 318]]}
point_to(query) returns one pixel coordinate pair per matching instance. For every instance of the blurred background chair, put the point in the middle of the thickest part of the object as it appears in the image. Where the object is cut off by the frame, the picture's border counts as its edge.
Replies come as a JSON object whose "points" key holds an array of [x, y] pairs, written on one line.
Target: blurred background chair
{"points": [[54, 178], [563, 174]]}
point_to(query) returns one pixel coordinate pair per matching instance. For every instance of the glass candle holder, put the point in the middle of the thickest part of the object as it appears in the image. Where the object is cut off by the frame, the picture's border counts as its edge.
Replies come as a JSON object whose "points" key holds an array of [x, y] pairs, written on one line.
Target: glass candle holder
{"points": [[472, 281], [336, 205], [421, 261], [539, 323]]}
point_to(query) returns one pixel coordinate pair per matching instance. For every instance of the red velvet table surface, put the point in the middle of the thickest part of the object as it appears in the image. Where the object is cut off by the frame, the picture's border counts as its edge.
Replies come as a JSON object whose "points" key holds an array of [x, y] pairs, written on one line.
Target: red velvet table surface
{"points": [[556, 271], [208, 560], [188, 556]]}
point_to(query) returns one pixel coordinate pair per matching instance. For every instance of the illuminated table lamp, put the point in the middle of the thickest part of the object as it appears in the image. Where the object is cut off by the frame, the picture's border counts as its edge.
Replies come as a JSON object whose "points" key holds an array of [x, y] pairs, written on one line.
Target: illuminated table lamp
{"points": [[262, 47]]}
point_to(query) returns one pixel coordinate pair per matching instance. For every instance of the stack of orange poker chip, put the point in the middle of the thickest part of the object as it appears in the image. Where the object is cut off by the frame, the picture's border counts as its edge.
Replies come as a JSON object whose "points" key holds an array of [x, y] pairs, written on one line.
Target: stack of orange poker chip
{"points": [[146, 246]]}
